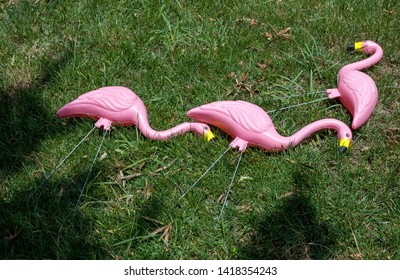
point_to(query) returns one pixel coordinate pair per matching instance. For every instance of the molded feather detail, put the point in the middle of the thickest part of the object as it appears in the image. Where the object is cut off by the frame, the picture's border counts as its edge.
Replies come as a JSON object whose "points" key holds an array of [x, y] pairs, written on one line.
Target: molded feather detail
{"points": [[362, 86], [102, 97], [247, 115]]}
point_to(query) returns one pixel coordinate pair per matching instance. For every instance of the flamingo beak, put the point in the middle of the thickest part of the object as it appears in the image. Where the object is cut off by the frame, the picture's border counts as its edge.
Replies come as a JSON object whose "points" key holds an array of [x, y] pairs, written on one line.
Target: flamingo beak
{"points": [[209, 136], [355, 47], [344, 145]]}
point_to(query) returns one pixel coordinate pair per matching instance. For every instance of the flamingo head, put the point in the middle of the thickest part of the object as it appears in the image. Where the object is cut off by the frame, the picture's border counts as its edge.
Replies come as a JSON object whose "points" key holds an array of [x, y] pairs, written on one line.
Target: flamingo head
{"points": [[367, 47], [203, 130], [345, 137]]}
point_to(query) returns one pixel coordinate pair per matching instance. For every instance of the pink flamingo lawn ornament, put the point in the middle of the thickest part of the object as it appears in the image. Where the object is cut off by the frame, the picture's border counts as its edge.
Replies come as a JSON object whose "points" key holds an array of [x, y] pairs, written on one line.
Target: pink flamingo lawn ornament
{"points": [[250, 125], [356, 90], [121, 106]]}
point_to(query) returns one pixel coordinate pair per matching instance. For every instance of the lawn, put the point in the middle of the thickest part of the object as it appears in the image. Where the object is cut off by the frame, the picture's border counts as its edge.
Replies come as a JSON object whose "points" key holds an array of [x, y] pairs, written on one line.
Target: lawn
{"points": [[308, 202]]}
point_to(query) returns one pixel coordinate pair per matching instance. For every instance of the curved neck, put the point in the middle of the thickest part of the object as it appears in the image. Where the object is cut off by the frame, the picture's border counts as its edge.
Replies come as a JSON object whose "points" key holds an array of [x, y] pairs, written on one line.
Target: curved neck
{"points": [[334, 124], [166, 134], [377, 54]]}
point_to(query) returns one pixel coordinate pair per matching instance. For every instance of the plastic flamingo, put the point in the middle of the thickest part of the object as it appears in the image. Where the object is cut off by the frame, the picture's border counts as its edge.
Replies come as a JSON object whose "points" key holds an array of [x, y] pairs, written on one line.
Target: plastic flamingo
{"points": [[250, 125], [356, 90], [121, 106]]}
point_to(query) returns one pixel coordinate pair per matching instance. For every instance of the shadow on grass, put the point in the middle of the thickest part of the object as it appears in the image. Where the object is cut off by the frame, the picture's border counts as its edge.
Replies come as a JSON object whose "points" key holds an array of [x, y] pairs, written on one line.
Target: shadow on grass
{"points": [[139, 236], [292, 230], [47, 224], [25, 120]]}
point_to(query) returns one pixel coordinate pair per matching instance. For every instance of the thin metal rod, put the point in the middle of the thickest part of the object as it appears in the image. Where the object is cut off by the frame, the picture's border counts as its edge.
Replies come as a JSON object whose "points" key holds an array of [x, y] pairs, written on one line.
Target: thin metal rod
{"points": [[61, 162], [302, 94], [70, 153], [297, 105], [91, 167], [208, 170], [230, 186]]}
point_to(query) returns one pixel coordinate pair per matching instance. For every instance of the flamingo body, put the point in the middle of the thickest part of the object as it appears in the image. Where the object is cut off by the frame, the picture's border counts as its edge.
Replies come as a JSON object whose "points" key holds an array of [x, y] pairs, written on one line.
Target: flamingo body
{"points": [[121, 106], [115, 104], [250, 125], [356, 90]]}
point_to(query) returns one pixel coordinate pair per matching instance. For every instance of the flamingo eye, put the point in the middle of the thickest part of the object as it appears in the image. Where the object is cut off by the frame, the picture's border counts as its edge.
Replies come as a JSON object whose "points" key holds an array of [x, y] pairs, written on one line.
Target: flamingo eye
{"points": [[347, 135]]}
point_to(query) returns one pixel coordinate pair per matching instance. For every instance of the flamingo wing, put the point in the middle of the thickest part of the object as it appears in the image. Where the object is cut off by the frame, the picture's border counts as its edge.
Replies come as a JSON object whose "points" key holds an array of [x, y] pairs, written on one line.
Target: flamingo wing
{"points": [[363, 88], [115, 99], [244, 114]]}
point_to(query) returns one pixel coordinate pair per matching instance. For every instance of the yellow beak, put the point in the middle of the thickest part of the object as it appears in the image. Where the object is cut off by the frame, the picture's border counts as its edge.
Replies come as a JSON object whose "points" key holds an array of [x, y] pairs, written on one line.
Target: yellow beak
{"points": [[344, 144], [208, 135], [357, 46]]}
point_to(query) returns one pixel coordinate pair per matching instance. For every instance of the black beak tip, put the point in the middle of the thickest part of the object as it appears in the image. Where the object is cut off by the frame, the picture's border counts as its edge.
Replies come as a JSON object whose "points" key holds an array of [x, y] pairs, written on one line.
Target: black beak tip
{"points": [[351, 48], [342, 149], [212, 141]]}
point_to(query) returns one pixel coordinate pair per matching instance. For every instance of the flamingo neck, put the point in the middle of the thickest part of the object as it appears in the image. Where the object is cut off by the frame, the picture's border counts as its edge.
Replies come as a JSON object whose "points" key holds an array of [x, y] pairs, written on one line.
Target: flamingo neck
{"points": [[141, 121], [377, 54], [306, 131], [182, 128]]}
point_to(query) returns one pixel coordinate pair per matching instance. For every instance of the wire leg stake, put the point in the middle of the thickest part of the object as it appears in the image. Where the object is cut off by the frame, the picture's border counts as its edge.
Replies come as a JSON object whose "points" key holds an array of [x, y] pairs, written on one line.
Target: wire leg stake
{"points": [[297, 105], [91, 167], [204, 174], [230, 186], [63, 160], [70, 153]]}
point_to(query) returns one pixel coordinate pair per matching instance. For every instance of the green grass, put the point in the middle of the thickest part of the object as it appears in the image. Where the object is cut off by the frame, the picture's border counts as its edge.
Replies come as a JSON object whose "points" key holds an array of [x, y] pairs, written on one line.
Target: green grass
{"points": [[307, 202]]}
